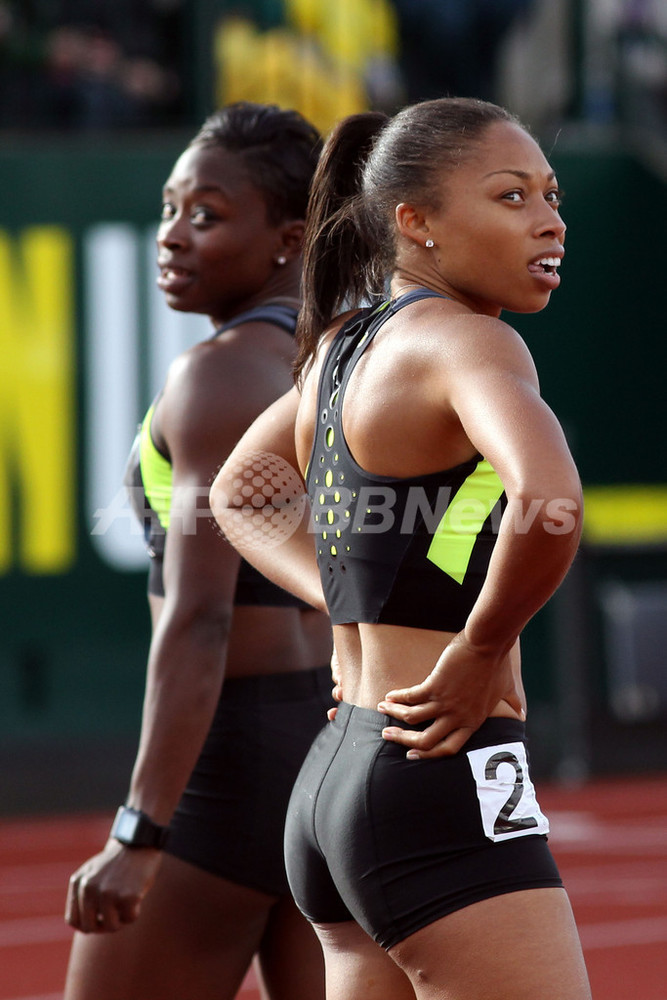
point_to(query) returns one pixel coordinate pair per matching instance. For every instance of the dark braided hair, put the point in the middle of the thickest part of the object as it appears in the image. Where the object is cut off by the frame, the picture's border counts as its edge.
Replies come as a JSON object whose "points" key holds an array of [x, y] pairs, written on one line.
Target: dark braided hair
{"points": [[280, 150]]}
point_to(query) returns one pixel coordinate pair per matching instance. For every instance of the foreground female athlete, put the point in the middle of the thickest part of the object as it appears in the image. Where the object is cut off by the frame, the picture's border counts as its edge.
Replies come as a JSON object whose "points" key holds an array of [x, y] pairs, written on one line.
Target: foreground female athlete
{"points": [[445, 509]]}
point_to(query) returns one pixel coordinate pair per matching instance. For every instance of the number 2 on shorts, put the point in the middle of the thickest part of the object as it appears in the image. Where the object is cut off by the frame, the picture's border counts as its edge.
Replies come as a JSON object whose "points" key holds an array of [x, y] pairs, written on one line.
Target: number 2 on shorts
{"points": [[506, 794]]}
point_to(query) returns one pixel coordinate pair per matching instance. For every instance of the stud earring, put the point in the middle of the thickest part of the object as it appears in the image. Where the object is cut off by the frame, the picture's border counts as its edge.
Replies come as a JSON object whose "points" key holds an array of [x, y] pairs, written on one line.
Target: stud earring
{"points": [[430, 243], [281, 259]]}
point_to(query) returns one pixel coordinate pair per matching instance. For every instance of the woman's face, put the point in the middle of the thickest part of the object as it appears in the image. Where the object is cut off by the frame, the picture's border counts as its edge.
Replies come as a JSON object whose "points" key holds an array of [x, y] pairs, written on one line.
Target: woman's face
{"points": [[498, 237], [216, 247]]}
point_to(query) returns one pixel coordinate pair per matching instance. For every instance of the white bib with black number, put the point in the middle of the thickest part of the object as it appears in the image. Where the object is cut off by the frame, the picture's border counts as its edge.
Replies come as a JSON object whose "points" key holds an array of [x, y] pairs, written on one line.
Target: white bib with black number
{"points": [[505, 792]]}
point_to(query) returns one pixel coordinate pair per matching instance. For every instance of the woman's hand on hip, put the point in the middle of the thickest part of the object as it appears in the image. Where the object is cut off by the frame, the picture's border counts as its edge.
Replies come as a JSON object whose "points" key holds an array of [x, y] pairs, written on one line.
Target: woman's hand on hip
{"points": [[459, 694]]}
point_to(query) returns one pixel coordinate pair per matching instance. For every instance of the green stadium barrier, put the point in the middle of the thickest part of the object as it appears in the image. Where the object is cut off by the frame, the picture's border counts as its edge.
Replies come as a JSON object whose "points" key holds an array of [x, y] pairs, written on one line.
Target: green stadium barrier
{"points": [[85, 341]]}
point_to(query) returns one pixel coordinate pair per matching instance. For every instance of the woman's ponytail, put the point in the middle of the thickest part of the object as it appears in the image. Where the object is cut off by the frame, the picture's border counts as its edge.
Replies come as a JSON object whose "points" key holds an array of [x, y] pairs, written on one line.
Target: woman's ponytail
{"points": [[338, 244]]}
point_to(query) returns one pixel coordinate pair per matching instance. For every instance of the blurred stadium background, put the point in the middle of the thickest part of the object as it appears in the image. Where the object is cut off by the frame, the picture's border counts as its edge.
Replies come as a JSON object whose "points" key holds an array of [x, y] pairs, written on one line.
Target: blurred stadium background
{"points": [[97, 98]]}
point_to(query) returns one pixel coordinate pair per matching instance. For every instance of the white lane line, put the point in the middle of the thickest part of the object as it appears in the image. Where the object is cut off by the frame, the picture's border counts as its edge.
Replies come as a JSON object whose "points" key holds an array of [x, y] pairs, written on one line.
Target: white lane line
{"points": [[639, 883], [643, 930], [33, 930], [23, 837], [34, 877], [588, 833], [42, 996]]}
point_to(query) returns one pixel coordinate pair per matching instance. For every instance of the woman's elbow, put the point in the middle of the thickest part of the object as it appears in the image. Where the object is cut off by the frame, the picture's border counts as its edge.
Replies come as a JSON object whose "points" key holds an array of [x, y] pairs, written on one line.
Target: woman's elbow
{"points": [[555, 508], [206, 624], [564, 516], [219, 500]]}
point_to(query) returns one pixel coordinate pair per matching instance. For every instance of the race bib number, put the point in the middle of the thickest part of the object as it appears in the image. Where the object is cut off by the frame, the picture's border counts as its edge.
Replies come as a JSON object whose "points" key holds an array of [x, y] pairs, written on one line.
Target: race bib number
{"points": [[506, 794]]}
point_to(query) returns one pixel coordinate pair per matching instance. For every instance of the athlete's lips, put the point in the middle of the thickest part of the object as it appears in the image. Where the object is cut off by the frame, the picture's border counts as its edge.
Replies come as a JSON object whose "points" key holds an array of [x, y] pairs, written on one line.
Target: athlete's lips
{"points": [[173, 278], [546, 266]]}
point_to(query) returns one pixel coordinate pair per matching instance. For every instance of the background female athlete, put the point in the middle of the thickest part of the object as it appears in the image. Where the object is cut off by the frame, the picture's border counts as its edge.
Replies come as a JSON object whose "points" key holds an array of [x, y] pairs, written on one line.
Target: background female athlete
{"points": [[189, 918]]}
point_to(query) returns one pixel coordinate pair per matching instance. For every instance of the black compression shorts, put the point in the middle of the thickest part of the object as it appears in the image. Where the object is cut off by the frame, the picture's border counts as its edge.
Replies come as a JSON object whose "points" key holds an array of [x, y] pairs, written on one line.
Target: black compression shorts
{"points": [[231, 817], [396, 844]]}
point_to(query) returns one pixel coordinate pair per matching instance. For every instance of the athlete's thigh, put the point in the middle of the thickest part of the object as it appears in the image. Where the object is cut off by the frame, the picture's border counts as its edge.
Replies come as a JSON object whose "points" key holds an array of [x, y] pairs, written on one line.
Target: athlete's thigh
{"points": [[518, 946], [357, 968], [195, 938], [289, 962]]}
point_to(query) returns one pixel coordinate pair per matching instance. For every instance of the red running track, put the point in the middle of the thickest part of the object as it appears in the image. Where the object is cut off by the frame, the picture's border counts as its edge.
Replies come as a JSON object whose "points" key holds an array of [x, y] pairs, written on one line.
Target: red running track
{"points": [[609, 838]]}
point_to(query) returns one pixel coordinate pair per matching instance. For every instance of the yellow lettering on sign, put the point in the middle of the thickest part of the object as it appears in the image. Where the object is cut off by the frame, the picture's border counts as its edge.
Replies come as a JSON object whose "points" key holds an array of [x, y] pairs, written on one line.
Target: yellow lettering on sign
{"points": [[37, 437]]}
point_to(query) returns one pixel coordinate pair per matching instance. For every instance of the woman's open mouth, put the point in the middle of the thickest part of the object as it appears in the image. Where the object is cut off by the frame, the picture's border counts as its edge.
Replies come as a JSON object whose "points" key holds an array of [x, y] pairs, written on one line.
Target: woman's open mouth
{"points": [[173, 279], [546, 270], [545, 265]]}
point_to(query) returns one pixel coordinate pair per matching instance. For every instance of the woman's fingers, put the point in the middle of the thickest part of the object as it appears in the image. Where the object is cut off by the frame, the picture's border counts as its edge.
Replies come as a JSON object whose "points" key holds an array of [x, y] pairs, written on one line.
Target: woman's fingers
{"points": [[413, 704], [84, 911], [408, 696], [437, 740], [72, 916], [513, 699]]}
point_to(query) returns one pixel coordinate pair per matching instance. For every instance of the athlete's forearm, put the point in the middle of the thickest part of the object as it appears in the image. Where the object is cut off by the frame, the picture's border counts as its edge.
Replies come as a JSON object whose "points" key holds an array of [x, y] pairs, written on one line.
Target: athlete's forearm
{"points": [[537, 542], [184, 679]]}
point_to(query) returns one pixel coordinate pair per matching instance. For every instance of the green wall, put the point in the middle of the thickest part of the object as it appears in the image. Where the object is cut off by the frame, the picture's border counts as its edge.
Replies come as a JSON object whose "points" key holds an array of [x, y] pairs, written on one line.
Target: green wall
{"points": [[600, 346], [74, 636], [73, 639]]}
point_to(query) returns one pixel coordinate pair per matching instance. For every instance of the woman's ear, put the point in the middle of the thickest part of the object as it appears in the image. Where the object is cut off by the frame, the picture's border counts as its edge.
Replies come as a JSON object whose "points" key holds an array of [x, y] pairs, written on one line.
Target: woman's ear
{"points": [[411, 223], [291, 239]]}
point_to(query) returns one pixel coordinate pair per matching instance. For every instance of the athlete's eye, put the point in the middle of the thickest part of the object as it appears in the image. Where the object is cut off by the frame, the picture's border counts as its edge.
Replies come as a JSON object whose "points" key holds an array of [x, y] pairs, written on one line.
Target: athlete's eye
{"points": [[201, 216], [516, 197], [168, 211], [555, 197]]}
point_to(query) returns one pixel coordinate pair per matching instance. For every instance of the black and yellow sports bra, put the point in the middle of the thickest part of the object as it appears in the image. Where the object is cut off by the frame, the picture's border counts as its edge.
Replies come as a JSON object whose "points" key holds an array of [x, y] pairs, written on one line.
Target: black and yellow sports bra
{"points": [[414, 551], [148, 477]]}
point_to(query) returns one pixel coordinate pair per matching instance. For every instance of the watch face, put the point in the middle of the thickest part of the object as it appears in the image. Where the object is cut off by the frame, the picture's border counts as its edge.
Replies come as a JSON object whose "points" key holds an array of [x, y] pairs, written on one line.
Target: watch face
{"points": [[126, 824], [134, 829]]}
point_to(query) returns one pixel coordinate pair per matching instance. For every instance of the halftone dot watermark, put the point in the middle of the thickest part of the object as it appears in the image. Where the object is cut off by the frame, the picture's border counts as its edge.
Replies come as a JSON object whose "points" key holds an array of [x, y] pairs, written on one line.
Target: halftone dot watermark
{"points": [[267, 496]]}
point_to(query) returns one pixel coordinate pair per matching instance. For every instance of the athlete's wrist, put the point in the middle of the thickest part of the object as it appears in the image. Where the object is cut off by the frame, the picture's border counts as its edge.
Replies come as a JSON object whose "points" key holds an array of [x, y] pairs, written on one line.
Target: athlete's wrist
{"points": [[134, 828]]}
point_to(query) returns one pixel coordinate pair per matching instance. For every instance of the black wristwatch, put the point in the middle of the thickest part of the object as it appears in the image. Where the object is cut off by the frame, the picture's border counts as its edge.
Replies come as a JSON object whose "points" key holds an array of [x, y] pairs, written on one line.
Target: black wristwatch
{"points": [[135, 829]]}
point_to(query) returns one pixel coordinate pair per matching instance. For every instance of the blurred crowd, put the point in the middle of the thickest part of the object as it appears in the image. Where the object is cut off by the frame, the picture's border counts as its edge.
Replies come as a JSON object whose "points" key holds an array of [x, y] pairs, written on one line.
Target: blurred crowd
{"points": [[85, 64], [113, 64], [641, 37], [104, 64]]}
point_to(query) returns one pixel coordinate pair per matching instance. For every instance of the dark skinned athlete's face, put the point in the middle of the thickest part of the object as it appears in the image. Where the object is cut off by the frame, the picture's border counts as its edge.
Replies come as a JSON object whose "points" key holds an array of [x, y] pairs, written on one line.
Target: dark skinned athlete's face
{"points": [[499, 236], [216, 247]]}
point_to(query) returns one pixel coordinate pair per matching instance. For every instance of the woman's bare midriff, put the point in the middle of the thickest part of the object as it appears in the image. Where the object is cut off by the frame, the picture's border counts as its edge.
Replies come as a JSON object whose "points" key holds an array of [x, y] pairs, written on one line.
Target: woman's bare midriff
{"points": [[376, 659], [271, 640]]}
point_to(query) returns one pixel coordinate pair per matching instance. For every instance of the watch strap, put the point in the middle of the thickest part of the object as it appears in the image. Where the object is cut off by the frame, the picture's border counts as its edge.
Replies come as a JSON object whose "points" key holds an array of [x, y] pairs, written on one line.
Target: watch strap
{"points": [[135, 828]]}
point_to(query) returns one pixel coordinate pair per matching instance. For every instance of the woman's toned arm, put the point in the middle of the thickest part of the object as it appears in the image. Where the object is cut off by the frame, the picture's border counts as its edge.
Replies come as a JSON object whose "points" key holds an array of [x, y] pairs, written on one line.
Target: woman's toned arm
{"points": [[204, 409], [269, 523], [492, 388]]}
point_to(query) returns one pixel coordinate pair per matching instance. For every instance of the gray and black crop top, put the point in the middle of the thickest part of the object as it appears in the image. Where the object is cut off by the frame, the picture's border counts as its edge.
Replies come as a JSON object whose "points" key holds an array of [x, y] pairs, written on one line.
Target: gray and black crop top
{"points": [[148, 477], [414, 551]]}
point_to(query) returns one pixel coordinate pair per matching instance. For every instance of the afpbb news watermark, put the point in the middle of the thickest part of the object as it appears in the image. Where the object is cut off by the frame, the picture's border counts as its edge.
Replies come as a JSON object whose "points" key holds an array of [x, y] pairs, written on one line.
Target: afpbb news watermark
{"points": [[264, 503]]}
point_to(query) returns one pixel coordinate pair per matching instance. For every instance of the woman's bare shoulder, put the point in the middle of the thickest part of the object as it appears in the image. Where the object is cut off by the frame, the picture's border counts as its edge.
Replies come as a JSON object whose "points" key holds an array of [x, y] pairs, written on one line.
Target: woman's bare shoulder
{"points": [[457, 341], [217, 388]]}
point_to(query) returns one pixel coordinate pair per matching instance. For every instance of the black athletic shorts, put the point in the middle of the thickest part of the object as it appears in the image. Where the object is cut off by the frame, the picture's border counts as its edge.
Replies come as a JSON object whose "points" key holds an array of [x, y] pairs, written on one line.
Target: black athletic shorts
{"points": [[396, 844], [230, 820]]}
